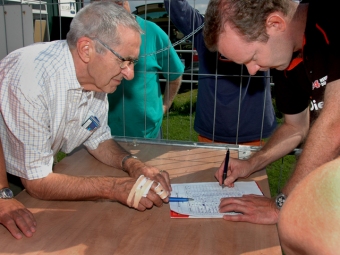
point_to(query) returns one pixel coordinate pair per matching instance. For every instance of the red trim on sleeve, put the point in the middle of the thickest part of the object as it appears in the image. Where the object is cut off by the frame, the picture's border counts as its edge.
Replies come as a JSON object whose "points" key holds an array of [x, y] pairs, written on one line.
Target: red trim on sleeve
{"points": [[323, 32]]}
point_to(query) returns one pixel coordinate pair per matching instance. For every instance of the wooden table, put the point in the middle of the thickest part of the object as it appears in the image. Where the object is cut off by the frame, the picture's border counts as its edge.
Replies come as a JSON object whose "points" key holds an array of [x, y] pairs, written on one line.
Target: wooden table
{"points": [[104, 227]]}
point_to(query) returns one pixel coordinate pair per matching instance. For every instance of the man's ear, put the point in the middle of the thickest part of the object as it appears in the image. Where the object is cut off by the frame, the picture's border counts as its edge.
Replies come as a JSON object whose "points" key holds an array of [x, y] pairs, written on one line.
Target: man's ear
{"points": [[85, 48], [126, 6], [275, 23]]}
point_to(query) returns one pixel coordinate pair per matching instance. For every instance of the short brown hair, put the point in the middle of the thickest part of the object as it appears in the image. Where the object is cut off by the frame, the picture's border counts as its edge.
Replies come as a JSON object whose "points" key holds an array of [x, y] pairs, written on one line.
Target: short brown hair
{"points": [[248, 17]]}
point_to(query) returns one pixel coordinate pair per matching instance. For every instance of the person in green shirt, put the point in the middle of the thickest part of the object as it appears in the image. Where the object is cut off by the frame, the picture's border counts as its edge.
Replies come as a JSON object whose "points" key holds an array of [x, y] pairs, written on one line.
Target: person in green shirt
{"points": [[137, 107]]}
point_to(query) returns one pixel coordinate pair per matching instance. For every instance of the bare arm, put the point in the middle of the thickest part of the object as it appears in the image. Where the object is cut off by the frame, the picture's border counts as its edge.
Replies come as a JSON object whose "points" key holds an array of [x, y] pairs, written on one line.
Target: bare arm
{"points": [[3, 176], [111, 153], [323, 141], [57, 186], [170, 92], [13, 214], [286, 138]]}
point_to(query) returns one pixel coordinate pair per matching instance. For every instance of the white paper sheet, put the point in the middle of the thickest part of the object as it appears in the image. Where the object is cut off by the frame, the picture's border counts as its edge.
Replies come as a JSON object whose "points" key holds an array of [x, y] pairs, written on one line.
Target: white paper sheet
{"points": [[207, 196]]}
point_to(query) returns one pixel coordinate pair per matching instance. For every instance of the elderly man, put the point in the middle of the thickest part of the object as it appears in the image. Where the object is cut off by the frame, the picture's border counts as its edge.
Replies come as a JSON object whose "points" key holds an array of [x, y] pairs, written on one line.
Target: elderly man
{"points": [[299, 40], [54, 97]]}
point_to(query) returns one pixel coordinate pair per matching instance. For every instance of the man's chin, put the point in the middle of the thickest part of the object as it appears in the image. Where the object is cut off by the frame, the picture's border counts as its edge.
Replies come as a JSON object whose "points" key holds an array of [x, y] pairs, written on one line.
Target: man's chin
{"points": [[281, 67], [110, 89]]}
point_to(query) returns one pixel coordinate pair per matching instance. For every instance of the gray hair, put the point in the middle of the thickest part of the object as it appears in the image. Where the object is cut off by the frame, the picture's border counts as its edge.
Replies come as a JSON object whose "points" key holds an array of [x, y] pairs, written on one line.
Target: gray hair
{"points": [[112, 1], [100, 20]]}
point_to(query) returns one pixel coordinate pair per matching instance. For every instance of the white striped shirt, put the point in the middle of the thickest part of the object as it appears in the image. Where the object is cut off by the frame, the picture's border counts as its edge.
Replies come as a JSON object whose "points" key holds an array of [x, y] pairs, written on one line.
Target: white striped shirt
{"points": [[43, 108]]}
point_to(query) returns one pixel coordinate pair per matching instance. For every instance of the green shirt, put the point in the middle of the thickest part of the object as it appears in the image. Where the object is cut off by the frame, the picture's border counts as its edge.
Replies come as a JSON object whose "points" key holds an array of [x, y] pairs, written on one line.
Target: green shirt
{"points": [[136, 107]]}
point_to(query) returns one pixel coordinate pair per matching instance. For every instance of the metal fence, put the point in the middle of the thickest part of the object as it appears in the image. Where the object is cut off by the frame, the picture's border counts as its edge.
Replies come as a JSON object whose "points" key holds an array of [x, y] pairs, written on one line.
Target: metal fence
{"points": [[26, 22]]}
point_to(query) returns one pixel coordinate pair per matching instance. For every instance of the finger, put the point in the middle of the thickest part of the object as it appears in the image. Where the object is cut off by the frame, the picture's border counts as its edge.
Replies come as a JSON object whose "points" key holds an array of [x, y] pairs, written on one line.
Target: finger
{"points": [[231, 185], [230, 180], [161, 191], [141, 206], [231, 200], [28, 216], [220, 173], [26, 222], [232, 207], [251, 197], [9, 223], [232, 176], [217, 175], [154, 200], [165, 180], [236, 217]]}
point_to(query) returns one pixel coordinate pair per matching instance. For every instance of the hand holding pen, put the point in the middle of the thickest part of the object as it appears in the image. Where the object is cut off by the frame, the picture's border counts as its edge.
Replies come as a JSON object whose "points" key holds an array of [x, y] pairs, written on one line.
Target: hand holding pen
{"points": [[225, 170]]}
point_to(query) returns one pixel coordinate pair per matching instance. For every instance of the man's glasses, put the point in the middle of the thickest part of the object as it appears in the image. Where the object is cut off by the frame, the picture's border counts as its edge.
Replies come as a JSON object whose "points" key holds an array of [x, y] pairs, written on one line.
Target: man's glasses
{"points": [[125, 62]]}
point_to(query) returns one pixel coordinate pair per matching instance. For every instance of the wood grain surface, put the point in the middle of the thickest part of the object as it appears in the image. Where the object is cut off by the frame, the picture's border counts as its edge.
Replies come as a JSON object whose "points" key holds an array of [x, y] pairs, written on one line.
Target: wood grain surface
{"points": [[104, 227]]}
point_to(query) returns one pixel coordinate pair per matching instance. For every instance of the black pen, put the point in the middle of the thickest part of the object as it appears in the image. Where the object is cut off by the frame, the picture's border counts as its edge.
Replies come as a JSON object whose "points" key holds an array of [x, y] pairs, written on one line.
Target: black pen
{"points": [[225, 170], [180, 199]]}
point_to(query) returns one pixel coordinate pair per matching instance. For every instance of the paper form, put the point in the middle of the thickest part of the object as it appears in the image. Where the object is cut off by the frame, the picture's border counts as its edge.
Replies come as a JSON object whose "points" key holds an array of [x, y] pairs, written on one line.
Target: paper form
{"points": [[207, 196]]}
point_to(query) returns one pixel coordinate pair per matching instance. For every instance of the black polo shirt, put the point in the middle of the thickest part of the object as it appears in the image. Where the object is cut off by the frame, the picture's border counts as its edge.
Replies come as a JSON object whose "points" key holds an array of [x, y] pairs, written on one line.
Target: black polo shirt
{"points": [[303, 83]]}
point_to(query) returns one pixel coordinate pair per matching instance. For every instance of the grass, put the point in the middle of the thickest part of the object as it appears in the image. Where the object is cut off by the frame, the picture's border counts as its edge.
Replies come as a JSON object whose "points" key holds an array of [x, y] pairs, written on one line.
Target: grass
{"points": [[179, 127]]}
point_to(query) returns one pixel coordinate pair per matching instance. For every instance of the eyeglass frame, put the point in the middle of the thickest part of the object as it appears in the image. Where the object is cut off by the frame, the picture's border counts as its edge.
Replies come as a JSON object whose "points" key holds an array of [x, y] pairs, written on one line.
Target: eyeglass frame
{"points": [[124, 60]]}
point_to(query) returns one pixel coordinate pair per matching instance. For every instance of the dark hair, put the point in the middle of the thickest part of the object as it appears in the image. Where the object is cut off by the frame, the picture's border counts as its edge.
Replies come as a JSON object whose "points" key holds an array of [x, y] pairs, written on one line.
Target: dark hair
{"points": [[248, 17]]}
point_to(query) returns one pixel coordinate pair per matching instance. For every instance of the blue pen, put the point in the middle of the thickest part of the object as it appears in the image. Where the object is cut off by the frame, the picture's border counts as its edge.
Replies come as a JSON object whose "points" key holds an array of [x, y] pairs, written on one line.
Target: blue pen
{"points": [[225, 170], [180, 199]]}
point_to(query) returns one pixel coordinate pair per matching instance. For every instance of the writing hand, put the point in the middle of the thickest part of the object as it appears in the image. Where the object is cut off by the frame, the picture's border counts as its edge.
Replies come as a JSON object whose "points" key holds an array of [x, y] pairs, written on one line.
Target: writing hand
{"points": [[236, 169]]}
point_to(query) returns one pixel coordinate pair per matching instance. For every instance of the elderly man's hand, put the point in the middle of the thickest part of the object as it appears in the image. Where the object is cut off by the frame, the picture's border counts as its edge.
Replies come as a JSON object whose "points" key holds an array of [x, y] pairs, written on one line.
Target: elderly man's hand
{"points": [[16, 218], [158, 176], [253, 208], [138, 168], [124, 186]]}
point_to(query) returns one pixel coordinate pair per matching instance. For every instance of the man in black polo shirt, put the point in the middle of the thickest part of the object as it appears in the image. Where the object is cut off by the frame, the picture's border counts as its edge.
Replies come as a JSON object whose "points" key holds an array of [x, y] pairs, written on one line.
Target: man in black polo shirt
{"points": [[298, 40]]}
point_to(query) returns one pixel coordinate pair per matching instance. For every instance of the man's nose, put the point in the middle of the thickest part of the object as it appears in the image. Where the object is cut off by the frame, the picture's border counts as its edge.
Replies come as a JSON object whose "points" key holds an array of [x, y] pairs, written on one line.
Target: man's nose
{"points": [[128, 72], [252, 69]]}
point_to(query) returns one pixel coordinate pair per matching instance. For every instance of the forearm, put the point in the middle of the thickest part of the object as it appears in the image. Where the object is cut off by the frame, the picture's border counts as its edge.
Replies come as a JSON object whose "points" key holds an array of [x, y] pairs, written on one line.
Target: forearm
{"points": [[110, 153], [170, 92], [3, 175], [279, 145], [312, 157], [66, 187], [322, 146], [285, 139]]}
